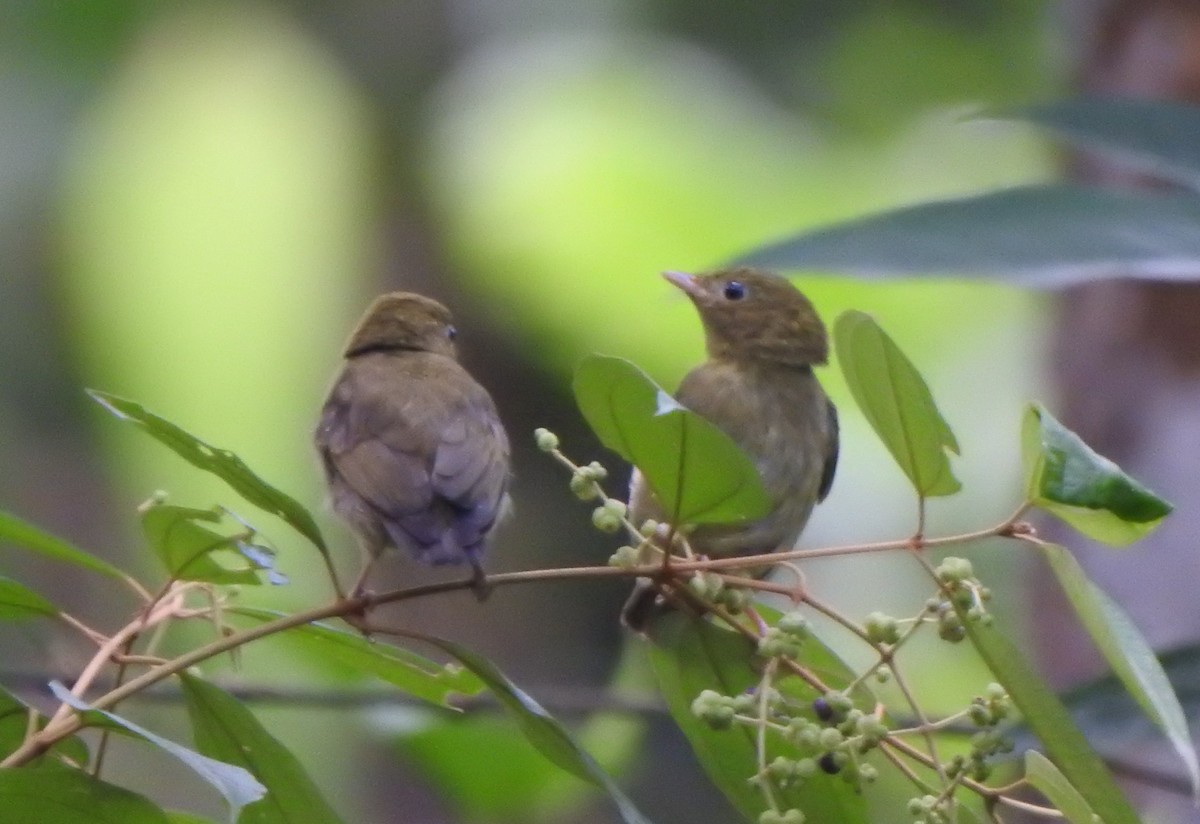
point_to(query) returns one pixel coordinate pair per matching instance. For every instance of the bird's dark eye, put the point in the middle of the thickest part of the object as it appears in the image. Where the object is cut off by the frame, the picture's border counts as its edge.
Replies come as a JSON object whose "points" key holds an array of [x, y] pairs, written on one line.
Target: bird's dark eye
{"points": [[735, 290], [451, 332]]}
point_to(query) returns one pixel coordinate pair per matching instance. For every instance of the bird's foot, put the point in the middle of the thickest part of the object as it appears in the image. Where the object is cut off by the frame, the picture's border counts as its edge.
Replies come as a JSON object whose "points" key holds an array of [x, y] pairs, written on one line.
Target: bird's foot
{"points": [[480, 585], [358, 602]]}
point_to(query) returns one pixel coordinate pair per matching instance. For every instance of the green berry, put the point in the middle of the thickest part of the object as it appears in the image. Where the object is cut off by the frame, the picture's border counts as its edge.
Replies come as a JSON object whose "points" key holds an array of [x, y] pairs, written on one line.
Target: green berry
{"points": [[830, 738], [605, 520], [597, 470], [881, 628], [616, 507], [950, 628], [583, 487], [806, 767], [546, 440], [794, 623], [744, 702], [735, 600], [980, 715], [781, 768], [626, 557]]}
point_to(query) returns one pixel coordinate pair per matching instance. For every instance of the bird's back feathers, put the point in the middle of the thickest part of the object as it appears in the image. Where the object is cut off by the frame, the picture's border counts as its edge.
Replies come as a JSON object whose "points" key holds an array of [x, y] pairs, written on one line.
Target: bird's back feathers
{"points": [[415, 455]]}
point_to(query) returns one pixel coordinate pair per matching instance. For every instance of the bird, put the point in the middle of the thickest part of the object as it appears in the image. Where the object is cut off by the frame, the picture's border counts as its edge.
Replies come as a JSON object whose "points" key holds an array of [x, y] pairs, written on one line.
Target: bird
{"points": [[762, 337], [414, 453]]}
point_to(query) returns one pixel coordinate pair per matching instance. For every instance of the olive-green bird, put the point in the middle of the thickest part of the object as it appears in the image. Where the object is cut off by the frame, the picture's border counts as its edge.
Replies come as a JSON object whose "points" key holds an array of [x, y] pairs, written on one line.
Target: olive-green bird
{"points": [[763, 338], [414, 452]]}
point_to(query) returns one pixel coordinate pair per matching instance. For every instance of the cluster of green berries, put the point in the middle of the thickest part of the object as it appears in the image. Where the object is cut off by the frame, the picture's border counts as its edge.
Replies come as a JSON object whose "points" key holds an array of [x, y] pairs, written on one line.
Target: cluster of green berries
{"points": [[987, 711], [882, 629], [711, 587], [585, 485], [628, 557], [785, 639], [931, 809], [960, 590], [609, 516], [833, 741]]}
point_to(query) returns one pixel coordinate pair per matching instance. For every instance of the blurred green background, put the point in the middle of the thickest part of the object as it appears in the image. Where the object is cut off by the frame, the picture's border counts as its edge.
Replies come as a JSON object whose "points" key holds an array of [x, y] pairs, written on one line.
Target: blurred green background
{"points": [[197, 199]]}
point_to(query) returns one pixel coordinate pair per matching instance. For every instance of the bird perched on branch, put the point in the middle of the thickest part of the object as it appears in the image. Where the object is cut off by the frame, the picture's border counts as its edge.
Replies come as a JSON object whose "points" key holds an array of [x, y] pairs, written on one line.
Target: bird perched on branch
{"points": [[763, 338], [414, 452]]}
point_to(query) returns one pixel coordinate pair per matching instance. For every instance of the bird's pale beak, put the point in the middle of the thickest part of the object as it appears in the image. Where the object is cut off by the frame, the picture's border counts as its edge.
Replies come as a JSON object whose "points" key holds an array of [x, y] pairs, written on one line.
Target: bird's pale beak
{"points": [[684, 281]]}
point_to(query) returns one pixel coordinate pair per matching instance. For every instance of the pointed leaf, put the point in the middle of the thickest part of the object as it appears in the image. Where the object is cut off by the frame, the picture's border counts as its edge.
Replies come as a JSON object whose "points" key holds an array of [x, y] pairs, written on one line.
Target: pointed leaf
{"points": [[415, 674], [66, 796], [897, 403], [1047, 718], [18, 602], [220, 462], [1046, 779], [697, 473], [690, 656], [1042, 236], [222, 728], [1160, 136], [1088, 491], [1129, 655], [518, 784], [235, 784], [186, 548], [541, 728], [19, 533]]}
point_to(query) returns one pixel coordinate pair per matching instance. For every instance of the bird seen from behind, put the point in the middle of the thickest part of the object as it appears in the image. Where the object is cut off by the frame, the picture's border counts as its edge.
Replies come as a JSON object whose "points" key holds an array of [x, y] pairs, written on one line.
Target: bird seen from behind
{"points": [[414, 452]]}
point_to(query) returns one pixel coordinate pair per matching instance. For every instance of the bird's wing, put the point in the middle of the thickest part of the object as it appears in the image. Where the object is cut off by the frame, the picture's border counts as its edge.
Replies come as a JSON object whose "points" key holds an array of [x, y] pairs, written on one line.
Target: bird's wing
{"points": [[470, 469], [370, 444], [406, 448], [831, 453]]}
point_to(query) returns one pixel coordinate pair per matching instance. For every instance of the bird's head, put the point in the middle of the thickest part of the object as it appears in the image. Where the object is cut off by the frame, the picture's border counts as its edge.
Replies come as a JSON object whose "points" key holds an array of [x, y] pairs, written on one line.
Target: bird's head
{"points": [[404, 321], [755, 316]]}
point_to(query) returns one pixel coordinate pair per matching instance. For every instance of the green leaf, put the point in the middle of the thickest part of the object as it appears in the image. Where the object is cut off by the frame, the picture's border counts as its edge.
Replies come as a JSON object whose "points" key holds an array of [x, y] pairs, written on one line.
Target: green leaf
{"points": [[19, 533], [1159, 136], [222, 728], [1045, 716], [181, 817], [690, 656], [1046, 779], [1127, 652], [65, 796], [236, 785], [220, 462], [415, 674], [1046, 236], [18, 602], [1110, 718], [519, 784], [897, 403], [697, 473], [541, 729], [186, 548], [14, 725], [1066, 478]]}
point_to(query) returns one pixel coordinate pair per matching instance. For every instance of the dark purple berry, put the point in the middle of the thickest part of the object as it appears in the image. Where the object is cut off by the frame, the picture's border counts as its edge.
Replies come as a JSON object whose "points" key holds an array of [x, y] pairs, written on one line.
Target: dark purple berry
{"points": [[822, 710], [829, 763]]}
